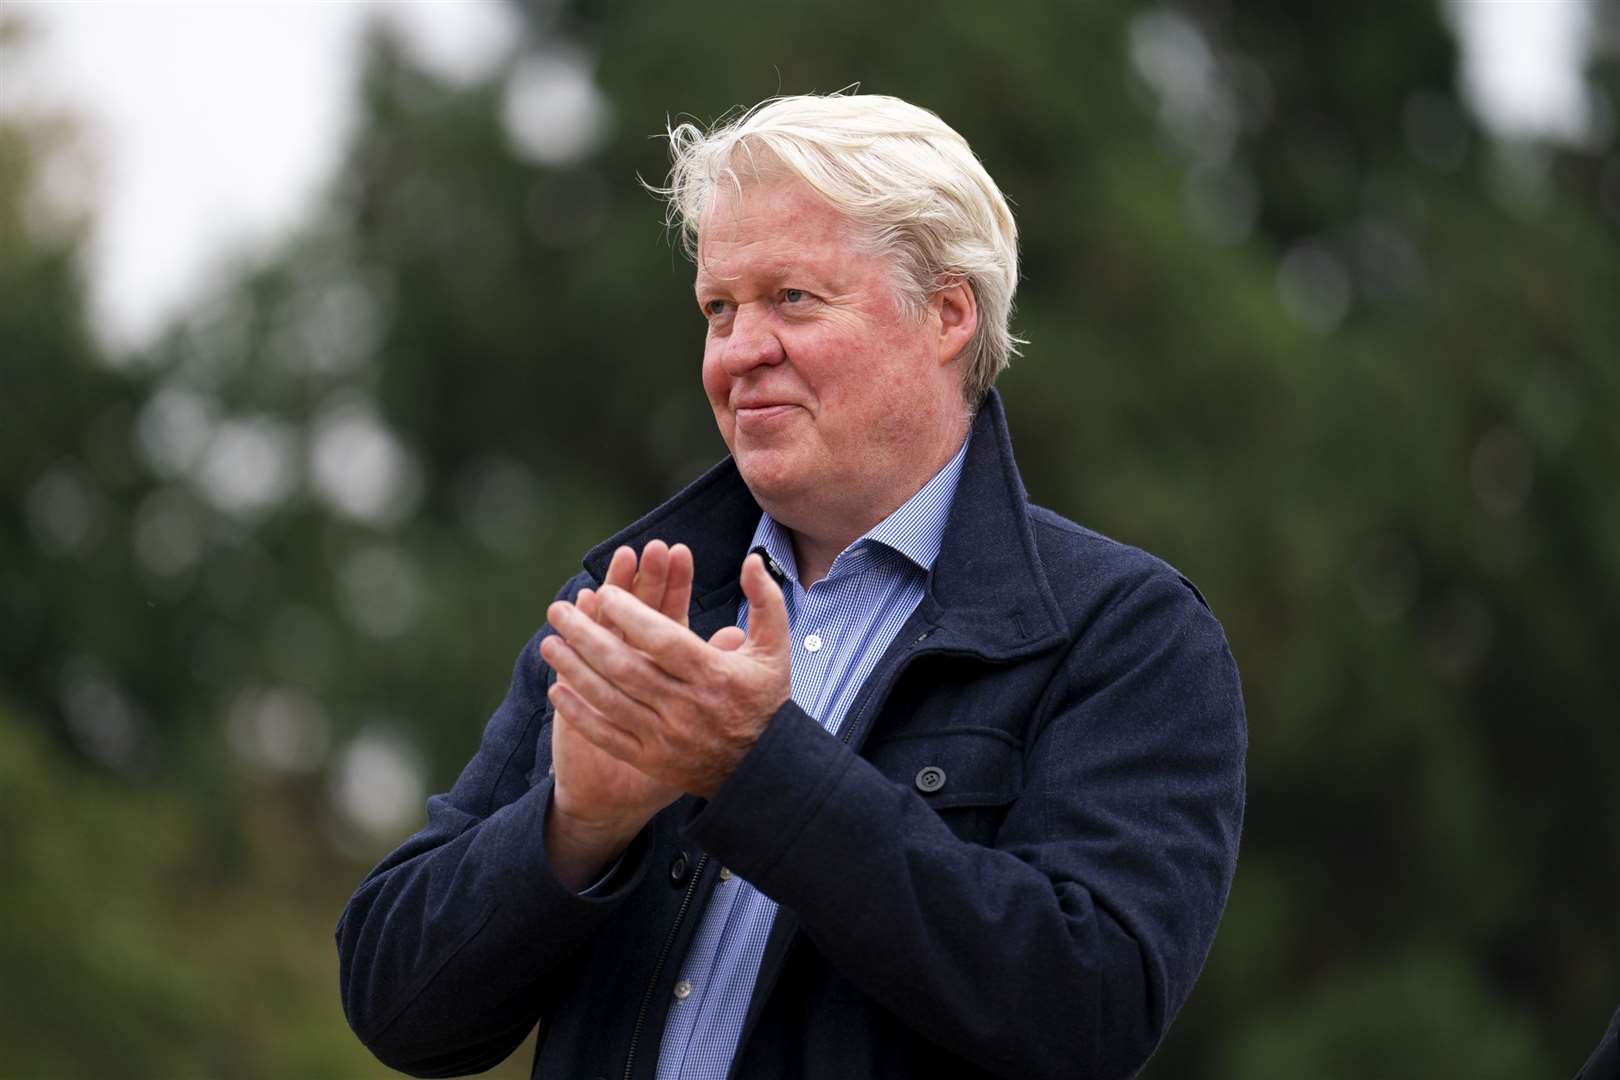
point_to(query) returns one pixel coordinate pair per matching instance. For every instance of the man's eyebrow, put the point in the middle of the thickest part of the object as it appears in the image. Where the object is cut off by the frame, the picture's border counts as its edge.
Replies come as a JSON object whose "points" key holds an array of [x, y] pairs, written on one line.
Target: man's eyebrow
{"points": [[775, 275]]}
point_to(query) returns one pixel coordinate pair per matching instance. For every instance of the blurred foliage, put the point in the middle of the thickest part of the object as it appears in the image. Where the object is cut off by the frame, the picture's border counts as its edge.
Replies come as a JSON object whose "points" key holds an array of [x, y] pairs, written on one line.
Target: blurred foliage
{"points": [[146, 938], [1297, 324]]}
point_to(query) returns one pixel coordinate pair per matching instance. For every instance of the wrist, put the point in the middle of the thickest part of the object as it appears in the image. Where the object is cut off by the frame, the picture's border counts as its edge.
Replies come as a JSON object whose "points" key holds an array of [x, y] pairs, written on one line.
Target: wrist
{"points": [[594, 829], [581, 849]]}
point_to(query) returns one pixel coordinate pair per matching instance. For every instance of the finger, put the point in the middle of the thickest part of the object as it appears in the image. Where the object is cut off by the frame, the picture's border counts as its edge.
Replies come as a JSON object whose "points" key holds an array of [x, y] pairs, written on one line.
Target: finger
{"points": [[652, 575], [582, 680], [574, 711], [767, 609], [586, 602], [629, 670], [728, 638], [622, 569], [672, 648], [678, 591]]}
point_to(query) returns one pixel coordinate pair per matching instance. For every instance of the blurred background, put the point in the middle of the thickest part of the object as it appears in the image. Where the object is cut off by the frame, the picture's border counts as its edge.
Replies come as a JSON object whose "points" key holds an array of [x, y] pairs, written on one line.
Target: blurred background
{"points": [[299, 304]]}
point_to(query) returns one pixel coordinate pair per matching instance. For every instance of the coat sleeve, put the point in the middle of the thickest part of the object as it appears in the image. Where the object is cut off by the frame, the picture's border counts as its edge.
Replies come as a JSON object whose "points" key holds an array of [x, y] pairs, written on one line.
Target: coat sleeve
{"points": [[450, 949], [1065, 947]]}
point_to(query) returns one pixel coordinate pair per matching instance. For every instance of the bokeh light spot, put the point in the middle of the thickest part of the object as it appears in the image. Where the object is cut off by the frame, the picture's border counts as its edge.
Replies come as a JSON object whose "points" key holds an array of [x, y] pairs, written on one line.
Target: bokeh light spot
{"points": [[378, 782]]}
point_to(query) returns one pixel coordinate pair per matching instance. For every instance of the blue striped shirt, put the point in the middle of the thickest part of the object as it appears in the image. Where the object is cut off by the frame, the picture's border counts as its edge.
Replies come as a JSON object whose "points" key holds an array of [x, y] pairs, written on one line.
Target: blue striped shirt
{"points": [[840, 627]]}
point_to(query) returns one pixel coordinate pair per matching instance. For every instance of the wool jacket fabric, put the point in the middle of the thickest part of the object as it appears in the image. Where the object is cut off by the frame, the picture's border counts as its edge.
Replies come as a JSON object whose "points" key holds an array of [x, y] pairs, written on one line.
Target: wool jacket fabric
{"points": [[1604, 1064], [1011, 862]]}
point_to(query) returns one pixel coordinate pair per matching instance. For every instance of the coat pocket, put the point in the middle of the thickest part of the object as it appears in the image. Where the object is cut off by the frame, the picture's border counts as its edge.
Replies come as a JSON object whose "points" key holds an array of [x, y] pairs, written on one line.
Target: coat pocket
{"points": [[954, 767]]}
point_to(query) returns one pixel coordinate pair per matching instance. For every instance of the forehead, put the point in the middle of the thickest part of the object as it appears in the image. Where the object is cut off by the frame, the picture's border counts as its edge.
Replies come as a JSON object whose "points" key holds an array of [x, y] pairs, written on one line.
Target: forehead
{"points": [[772, 225]]}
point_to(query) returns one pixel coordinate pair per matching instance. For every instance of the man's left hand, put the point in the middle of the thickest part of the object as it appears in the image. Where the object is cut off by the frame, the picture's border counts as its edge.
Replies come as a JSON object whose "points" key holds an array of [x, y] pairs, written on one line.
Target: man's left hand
{"points": [[682, 710]]}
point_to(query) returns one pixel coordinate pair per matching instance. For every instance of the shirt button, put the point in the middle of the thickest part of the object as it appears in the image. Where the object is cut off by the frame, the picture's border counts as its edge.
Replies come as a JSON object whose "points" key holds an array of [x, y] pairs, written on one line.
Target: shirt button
{"points": [[812, 643], [683, 990], [725, 873]]}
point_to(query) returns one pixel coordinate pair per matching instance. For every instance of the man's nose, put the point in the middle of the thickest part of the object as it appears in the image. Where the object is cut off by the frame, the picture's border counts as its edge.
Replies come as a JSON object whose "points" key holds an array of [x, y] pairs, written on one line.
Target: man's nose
{"points": [[752, 341]]}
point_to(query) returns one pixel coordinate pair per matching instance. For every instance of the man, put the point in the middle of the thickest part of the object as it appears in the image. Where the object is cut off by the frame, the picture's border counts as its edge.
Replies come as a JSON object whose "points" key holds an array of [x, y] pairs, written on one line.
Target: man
{"points": [[938, 784]]}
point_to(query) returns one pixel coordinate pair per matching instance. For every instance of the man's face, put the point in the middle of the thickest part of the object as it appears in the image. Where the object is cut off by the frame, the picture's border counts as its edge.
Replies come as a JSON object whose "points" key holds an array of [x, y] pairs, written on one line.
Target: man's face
{"points": [[836, 402]]}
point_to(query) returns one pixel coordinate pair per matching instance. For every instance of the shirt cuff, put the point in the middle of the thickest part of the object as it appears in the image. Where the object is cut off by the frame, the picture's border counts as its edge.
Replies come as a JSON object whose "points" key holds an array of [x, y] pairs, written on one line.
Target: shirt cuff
{"points": [[606, 883]]}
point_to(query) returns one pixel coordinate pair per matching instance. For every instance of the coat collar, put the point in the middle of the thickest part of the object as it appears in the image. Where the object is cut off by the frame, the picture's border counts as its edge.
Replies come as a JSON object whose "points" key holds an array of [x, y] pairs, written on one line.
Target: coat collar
{"points": [[988, 593]]}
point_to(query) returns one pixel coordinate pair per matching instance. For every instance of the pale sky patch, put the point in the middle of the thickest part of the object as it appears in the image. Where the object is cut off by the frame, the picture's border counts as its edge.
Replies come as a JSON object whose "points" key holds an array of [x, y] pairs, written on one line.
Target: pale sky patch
{"points": [[215, 124], [1521, 64]]}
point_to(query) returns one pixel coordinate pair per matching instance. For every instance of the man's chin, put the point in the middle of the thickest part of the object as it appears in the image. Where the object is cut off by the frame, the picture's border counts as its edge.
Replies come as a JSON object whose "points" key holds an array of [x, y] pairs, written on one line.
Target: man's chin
{"points": [[772, 479]]}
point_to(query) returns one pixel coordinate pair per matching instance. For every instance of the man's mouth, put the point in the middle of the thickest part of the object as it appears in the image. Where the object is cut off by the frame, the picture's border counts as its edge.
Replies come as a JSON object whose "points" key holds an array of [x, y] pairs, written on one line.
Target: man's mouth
{"points": [[762, 413]]}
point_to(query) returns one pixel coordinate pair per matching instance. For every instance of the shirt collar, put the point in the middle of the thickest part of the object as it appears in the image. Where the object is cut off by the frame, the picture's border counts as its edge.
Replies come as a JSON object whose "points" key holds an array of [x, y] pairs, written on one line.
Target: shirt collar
{"points": [[916, 529], [987, 594]]}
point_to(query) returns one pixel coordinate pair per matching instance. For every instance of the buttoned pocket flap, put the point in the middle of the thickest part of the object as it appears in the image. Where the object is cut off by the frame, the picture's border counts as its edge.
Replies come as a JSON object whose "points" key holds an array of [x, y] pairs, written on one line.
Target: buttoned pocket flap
{"points": [[964, 766]]}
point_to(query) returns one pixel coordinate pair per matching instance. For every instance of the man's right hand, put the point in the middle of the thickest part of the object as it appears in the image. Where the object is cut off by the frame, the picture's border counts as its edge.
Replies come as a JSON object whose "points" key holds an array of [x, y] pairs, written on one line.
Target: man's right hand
{"points": [[598, 802]]}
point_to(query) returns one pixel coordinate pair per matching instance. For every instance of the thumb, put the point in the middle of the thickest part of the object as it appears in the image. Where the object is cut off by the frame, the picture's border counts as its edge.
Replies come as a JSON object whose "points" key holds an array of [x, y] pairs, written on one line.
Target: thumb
{"points": [[767, 609], [727, 639]]}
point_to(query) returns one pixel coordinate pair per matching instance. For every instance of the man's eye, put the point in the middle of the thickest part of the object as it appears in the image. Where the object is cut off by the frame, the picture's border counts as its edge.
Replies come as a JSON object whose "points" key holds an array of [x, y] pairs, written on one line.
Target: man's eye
{"points": [[714, 308], [794, 296]]}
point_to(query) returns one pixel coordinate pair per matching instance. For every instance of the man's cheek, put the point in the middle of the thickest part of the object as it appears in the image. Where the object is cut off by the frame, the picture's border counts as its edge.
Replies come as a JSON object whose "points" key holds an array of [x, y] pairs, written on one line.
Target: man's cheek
{"points": [[715, 382], [718, 395]]}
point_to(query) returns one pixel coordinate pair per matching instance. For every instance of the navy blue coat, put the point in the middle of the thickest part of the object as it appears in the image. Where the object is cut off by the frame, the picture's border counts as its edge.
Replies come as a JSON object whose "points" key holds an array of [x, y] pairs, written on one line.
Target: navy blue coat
{"points": [[1043, 912], [1604, 1064]]}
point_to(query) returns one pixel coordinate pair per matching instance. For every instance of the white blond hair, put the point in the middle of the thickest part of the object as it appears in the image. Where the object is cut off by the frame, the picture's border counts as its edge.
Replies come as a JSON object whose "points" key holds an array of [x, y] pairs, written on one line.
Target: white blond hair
{"points": [[893, 169]]}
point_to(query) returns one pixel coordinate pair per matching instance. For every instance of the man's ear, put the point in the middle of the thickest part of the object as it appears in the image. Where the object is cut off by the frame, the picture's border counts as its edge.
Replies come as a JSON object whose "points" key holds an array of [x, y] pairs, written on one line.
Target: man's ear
{"points": [[956, 311]]}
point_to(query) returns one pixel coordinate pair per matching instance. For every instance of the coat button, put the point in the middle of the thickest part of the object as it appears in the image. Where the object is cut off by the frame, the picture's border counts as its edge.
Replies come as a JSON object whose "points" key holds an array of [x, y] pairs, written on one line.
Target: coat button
{"points": [[677, 869], [930, 778]]}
